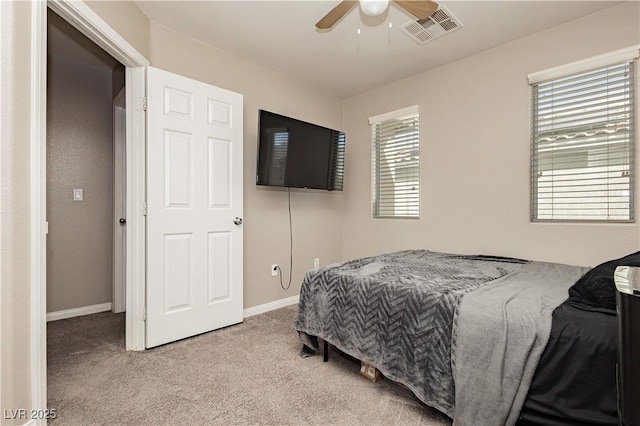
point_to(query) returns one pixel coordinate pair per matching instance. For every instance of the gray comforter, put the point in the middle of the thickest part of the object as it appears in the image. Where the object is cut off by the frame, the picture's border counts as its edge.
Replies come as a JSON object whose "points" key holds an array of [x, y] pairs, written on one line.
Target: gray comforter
{"points": [[426, 318], [396, 312]]}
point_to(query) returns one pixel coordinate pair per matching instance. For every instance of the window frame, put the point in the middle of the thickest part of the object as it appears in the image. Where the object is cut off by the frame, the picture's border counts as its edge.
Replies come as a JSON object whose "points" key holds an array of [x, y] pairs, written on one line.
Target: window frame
{"points": [[373, 122], [618, 57]]}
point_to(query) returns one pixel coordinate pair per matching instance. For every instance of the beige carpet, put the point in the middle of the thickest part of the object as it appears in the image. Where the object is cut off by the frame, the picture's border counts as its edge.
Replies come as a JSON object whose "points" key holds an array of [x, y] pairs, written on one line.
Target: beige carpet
{"points": [[245, 374]]}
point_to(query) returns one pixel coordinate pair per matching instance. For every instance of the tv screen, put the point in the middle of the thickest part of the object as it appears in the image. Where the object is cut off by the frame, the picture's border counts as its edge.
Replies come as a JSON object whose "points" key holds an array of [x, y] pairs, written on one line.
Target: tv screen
{"points": [[296, 154]]}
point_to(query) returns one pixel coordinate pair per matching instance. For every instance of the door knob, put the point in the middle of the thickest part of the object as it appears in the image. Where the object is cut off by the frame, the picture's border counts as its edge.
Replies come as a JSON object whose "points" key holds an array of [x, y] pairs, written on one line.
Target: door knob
{"points": [[122, 220], [237, 221]]}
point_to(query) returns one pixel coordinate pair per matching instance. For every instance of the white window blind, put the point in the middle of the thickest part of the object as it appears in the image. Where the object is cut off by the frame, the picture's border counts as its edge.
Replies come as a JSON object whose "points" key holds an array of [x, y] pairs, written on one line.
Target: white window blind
{"points": [[582, 146], [395, 164]]}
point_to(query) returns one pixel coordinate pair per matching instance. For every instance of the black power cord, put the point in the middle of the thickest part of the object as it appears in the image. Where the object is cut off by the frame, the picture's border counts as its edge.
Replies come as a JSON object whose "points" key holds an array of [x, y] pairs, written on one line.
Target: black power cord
{"points": [[290, 247]]}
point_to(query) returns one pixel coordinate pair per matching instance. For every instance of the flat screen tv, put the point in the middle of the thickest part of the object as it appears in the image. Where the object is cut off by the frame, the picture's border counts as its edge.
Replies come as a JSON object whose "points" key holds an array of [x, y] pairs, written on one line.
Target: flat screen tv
{"points": [[296, 154]]}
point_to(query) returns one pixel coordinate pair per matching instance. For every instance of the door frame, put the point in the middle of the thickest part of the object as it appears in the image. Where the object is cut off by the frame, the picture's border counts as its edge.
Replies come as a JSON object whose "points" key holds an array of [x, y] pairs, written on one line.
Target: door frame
{"points": [[95, 28]]}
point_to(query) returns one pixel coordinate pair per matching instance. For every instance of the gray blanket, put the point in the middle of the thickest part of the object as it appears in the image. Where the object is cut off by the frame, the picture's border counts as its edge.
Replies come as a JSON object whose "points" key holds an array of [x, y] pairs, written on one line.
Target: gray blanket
{"points": [[502, 330], [396, 312]]}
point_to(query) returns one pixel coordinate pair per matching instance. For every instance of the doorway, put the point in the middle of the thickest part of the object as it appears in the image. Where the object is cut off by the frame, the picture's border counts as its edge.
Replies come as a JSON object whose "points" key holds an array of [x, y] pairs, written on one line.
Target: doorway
{"points": [[85, 182], [215, 185], [84, 193], [91, 25]]}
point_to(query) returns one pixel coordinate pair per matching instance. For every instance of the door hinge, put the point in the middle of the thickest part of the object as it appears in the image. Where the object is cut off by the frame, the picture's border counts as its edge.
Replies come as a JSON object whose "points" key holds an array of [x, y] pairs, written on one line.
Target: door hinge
{"points": [[144, 314], [46, 228], [144, 103], [144, 209]]}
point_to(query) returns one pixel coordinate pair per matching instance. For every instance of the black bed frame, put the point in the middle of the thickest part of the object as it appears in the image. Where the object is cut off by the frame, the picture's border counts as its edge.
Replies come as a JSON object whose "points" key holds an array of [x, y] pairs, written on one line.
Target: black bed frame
{"points": [[325, 351]]}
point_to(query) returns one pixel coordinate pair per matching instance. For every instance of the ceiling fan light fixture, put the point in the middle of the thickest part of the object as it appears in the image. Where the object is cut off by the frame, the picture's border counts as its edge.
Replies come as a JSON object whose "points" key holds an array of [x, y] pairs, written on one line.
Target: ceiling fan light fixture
{"points": [[373, 7]]}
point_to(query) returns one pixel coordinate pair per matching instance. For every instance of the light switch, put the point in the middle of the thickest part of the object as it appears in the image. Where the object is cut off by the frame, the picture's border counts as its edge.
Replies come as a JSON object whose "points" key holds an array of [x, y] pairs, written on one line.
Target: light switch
{"points": [[77, 194]]}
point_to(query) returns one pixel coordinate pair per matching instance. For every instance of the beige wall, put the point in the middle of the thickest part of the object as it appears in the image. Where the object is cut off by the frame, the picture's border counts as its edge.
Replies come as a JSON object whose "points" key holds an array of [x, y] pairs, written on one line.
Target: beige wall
{"points": [[474, 124], [79, 155], [317, 215], [15, 391], [127, 20]]}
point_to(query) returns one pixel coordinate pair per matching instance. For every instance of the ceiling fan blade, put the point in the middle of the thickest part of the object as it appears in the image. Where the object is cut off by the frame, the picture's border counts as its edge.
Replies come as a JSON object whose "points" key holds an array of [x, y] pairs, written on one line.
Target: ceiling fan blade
{"points": [[422, 9], [334, 15]]}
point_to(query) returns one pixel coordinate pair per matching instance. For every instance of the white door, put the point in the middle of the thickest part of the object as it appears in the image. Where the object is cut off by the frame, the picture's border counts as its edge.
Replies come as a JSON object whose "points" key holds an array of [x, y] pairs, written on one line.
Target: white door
{"points": [[119, 204], [194, 207]]}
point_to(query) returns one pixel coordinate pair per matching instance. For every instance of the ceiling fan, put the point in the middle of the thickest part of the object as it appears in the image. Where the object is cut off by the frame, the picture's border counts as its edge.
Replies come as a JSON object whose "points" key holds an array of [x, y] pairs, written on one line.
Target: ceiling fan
{"points": [[422, 9]]}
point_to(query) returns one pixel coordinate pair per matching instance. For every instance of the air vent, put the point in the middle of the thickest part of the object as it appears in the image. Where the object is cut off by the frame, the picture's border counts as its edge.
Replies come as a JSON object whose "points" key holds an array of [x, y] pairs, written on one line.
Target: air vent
{"points": [[442, 22]]}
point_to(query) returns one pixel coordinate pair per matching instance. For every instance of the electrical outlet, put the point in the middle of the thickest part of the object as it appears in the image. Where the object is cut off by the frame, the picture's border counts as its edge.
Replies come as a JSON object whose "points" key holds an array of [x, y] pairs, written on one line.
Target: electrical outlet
{"points": [[274, 270], [316, 263], [78, 194]]}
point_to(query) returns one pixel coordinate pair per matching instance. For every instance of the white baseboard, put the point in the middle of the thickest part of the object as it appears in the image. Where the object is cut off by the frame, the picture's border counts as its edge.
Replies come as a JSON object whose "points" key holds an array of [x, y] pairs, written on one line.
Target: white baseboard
{"points": [[271, 306], [93, 309], [78, 312]]}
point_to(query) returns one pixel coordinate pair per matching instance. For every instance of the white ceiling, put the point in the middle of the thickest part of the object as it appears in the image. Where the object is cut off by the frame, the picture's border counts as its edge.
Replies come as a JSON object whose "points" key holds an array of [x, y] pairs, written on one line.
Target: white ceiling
{"points": [[281, 35]]}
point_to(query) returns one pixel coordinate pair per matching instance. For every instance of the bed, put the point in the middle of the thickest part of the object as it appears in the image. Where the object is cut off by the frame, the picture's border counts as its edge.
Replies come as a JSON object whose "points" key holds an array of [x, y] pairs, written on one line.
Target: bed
{"points": [[480, 338]]}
